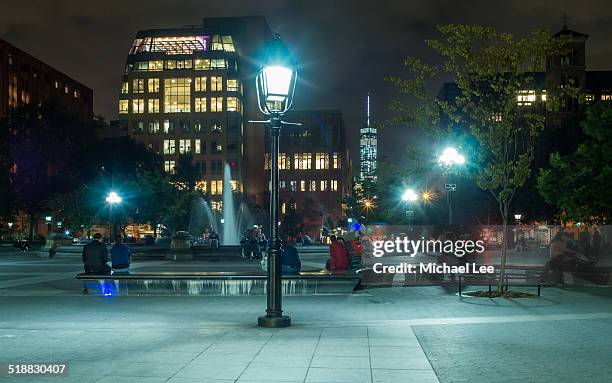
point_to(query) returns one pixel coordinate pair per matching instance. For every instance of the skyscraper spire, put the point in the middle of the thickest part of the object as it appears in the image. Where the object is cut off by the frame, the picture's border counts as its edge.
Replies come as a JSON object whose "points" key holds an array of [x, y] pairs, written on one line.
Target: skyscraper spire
{"points": [[368, 147]]}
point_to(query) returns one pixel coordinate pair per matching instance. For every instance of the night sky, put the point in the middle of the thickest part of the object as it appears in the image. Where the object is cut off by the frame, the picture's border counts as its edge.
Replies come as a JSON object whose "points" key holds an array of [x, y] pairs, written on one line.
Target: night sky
{"points": [[345, 48]]}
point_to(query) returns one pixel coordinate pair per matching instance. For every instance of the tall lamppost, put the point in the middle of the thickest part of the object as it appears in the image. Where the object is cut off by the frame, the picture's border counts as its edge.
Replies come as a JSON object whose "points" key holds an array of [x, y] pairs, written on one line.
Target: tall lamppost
{"points": [[275, 86], [449, 159], [112, 199], [409, 197], [48, 220]]}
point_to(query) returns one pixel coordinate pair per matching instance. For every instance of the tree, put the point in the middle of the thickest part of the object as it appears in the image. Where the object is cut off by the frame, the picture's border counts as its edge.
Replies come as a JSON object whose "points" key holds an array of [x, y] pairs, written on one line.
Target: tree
{"points": [[186, 172], [45, 147], [490, 69], [579, 185]]}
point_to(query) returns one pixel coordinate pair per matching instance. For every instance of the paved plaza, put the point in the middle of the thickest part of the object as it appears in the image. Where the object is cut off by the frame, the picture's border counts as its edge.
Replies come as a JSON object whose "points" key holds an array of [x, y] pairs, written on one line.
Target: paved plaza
{"points": [[411, 334]]}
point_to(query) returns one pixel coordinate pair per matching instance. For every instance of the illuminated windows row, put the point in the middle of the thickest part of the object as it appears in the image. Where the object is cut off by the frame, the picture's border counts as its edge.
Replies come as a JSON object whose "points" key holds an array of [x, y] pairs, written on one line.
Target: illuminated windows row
{"points": [[200, 84], [304, 161], [170, 127], [309, 185], [160, 65], [180, 103], [184, 146]]}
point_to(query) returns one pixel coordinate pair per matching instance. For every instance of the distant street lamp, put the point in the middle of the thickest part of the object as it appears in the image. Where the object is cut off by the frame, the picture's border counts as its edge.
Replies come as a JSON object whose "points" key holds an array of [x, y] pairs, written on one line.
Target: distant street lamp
{"points": [[112, 199], [275, 87], [517, 218], [48, 220], [409, 197], [449, 159]]}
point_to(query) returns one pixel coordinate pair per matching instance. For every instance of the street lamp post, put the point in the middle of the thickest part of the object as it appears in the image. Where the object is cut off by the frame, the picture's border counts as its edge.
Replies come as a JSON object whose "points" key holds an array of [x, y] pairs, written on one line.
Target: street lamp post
{"points": [[275, 86], [112, 199], [449, 159], [409, 197], [48, 220]]}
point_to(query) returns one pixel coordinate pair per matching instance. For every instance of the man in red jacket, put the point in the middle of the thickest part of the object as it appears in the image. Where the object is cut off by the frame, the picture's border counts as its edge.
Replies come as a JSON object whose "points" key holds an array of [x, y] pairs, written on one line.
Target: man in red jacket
{"points": [[338, 258]]}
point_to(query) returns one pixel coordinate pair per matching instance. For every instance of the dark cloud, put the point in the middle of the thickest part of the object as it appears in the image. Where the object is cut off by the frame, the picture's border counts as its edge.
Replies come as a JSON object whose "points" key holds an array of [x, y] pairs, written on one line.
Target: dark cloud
{"points": [[346, 47]]}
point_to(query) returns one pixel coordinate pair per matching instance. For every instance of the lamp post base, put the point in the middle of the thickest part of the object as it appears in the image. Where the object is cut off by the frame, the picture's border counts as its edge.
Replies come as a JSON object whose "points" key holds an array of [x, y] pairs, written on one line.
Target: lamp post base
{"points": [[274, 321]]}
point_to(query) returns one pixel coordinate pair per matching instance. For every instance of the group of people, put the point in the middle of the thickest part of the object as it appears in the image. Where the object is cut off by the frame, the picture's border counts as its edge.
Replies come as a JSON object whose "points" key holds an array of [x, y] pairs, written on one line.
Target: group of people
{"points": [[96, 257], [344, 255], [253, 243], [569, 255]]}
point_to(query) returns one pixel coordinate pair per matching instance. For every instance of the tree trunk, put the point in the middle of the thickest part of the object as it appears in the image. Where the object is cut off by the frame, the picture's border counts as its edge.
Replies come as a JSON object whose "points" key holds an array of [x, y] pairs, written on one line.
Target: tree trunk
{"points": [[502, 268]]}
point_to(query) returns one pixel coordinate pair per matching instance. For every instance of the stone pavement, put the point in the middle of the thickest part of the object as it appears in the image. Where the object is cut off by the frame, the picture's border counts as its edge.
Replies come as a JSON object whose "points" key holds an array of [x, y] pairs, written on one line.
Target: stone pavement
{"points": [[414, 334]]}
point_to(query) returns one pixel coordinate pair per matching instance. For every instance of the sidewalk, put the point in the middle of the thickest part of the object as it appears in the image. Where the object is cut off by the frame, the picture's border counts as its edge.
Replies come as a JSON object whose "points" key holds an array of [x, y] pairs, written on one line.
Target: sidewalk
{"points": [[387, 335]]}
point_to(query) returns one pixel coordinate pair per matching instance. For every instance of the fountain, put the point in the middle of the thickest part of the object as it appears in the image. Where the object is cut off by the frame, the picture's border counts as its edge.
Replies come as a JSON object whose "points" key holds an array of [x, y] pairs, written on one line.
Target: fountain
{"points": [[201, 217], [234, 222]]}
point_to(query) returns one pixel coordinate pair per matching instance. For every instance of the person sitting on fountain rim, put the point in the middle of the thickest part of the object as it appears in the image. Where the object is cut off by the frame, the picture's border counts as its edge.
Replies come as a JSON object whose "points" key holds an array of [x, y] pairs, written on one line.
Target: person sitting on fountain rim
{"points": [[290, 259], [120, 256]]}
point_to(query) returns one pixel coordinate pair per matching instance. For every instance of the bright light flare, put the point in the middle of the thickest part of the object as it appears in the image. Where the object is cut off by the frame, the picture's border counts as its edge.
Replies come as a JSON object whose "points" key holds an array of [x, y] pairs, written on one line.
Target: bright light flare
{"points": [[113, 198], [450, 156], [410, 196]]}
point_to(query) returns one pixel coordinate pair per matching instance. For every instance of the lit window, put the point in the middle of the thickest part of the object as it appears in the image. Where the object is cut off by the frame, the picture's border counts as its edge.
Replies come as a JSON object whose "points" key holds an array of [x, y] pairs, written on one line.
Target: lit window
{"points": [[302, 161], [218, 64], [154, 105], [153, 85], [321, 161], [177, 95], [282, 184], [606, 97], [284, 162], [216, 84], [168, 126], [218, 147], [216, 104], [201, 186], [293, 185], [302, 185], [57, 84], [138, 105], [526, 97], [138, 85], [216, 44], [197, 146], [590, 97], [337, 162], [154, 126], [200, 104], [184, 126], [543, 96], [184, 146], [124, 87], [202, 64], [156, 65], [10, 59], [323, 185], [124, 106], [169, 147], [216, 187], [313, 185], [283, 208], [228, 44], [66, 89], [200, 84], [334, 185], [197, 126], [169, 166], [233, 104], [232, 85], [267, 161], [497, 117]]}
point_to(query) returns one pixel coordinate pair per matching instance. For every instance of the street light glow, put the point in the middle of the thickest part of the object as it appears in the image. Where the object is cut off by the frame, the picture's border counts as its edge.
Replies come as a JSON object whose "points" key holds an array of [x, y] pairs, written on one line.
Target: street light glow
{"points": [[426, 196], [410, 196], [450, 156], [113, 198]]}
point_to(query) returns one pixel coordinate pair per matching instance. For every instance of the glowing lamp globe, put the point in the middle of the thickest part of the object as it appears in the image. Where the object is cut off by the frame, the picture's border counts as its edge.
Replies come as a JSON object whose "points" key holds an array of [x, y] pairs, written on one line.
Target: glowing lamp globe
{"points": [[276, 79]]}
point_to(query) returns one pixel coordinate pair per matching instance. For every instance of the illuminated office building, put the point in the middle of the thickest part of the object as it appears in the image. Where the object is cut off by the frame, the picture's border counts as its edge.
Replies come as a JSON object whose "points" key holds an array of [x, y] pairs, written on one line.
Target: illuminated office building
{"points": [[191, 91]]}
